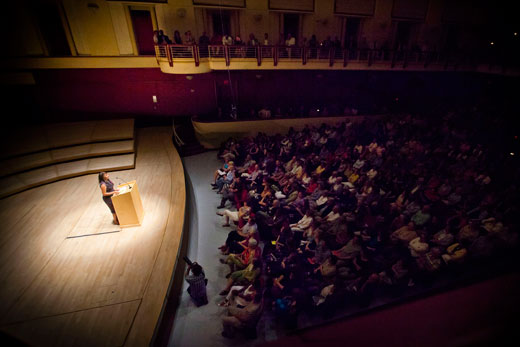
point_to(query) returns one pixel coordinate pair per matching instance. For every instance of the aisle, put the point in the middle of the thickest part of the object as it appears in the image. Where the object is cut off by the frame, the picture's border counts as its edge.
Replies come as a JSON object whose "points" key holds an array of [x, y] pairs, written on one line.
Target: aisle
{"points": [[201, 326]]}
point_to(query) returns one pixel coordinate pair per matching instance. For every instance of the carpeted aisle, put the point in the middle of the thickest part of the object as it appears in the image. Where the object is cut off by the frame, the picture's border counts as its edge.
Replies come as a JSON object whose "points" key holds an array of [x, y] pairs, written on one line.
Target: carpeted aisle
{"points": [[201, 326]]}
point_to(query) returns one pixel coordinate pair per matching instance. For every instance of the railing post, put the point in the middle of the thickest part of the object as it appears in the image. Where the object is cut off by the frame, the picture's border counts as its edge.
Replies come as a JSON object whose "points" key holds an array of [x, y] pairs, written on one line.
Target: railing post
{"points": [[304, 55], [369, 57], [195, 52], [392, 54], [275, 55], [169, 55], [258, 55], [331, 56], [345, 57], [226, 54], [405, 59], [426, 59]]}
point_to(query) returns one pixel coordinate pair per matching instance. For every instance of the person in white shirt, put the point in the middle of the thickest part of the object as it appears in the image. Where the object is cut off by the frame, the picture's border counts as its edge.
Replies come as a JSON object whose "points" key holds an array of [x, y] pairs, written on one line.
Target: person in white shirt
{"points": [[291, 41], [227, 40], [333, 215], [303, 223]]}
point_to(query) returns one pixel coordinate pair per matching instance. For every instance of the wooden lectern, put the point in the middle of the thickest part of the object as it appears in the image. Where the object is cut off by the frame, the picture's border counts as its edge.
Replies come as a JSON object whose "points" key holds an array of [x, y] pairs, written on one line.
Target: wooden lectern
{"points": [[128, 206]]}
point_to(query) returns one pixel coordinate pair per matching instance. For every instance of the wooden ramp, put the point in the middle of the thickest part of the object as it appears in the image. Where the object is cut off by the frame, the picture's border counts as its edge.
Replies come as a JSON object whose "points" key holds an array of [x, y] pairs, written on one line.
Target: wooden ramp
{"points": [[40, 138], [19, 182], [58, 151], [98, 288], [54, 156]]}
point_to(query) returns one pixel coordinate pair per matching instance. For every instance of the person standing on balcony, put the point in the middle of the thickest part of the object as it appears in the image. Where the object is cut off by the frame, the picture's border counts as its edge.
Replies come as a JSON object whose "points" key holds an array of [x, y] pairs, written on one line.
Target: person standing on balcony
{"points": [[216, 40], [204, 40], [203, 45], [227, 40], [252, 40], [189, 40], [241, 52], [291, 41], [313, 44], [266, 39], [177, 38]]}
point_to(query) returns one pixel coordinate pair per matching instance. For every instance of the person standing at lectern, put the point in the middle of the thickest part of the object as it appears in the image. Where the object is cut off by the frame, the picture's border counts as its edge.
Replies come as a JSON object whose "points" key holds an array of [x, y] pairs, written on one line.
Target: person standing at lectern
{"points": [[107, 188]]}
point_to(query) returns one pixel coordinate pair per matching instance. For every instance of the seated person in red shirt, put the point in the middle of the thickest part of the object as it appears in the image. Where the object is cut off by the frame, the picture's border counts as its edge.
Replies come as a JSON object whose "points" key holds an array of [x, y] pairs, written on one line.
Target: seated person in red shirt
{"points": [[240, 261]]}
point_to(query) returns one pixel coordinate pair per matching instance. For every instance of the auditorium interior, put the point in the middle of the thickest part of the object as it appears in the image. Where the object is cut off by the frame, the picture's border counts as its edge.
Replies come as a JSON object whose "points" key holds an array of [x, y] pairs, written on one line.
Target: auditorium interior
{"points": [[286, 173]]}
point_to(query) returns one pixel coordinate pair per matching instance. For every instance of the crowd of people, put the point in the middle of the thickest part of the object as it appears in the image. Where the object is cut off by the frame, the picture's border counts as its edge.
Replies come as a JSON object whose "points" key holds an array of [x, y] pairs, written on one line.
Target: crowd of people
{"points": [[225, 39], [343, 213]]}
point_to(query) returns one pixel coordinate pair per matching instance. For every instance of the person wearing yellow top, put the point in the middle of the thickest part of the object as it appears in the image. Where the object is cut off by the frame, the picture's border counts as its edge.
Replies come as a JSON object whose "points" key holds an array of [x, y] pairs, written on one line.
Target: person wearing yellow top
{"points": [[320, 169]]}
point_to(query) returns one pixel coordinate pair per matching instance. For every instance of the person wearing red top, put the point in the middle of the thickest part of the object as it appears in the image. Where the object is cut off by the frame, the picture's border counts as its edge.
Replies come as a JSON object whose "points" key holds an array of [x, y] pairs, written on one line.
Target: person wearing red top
{"points": [[240, 261], [312, 186]]}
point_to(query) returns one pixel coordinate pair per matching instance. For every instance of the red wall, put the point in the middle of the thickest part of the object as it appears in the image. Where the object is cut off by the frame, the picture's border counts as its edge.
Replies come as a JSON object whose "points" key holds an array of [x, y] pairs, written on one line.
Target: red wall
{"points": [[123, 91], [81, 93]]}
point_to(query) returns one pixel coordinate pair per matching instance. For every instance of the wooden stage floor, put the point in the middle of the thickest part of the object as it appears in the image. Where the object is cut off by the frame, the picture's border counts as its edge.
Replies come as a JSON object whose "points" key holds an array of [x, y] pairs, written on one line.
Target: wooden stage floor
{"points": [[70, 277]]}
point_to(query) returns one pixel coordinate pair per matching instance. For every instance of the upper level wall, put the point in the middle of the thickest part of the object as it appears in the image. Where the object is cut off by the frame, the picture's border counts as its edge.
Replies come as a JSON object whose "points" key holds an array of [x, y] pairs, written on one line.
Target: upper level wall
{"points": [[91, 28], [104, 28]]}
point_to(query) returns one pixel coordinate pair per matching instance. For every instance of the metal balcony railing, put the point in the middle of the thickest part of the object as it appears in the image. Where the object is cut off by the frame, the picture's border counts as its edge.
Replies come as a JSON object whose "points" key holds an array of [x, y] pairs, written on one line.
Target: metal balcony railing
{"points": [[333, 56]]}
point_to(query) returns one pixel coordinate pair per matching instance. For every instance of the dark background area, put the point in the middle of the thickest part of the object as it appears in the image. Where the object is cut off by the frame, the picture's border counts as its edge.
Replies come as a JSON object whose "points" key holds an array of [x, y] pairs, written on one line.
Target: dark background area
{"points": [[81, 94]]}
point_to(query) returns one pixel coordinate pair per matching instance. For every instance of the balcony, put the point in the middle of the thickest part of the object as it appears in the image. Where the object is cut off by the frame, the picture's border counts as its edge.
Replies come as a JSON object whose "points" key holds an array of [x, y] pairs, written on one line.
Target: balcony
{"points": [[181, 59]]}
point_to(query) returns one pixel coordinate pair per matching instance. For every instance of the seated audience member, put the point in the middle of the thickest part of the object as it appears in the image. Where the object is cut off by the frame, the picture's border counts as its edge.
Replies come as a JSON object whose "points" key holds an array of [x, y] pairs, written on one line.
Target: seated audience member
{"points": [[241, 295], [404, 234], [454, 253], [242, 318], [244, 277], [350, 251], [422, 216], [303, 223], [240, 261], [264, 113], [236, 216], [418, 246]]}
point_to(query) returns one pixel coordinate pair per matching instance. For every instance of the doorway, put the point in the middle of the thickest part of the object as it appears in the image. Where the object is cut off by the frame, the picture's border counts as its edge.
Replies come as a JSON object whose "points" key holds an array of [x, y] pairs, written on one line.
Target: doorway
{"points": [[451, 35], [51, 28], [352, 32], [403, 35], [143, 31], [221, 23], [291, 25]]}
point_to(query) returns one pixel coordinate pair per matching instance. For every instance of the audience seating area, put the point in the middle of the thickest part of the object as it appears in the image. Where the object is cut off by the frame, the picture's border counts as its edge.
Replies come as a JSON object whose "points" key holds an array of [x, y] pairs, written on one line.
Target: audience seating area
{"points": [[39, 155], [331, 216]]}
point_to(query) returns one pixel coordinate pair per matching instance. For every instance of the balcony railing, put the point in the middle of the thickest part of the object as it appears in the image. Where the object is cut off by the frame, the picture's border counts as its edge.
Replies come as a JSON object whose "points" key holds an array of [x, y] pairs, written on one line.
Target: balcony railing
{"points": [[305, 55]]}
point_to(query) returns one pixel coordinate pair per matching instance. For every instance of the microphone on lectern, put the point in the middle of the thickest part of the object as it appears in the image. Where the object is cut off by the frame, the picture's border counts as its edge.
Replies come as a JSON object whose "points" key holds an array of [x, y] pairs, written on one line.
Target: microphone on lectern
{"points": [[123, 182]]}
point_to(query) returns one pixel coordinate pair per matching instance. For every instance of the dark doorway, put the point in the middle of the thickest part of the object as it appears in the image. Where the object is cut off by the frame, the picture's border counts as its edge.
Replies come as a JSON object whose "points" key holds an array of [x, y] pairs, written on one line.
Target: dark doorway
{"points": [[403, 35], [451, 40], [143, 31], [51, 28], [291, 25], [221, 23], [227, 94], [352, 32]]}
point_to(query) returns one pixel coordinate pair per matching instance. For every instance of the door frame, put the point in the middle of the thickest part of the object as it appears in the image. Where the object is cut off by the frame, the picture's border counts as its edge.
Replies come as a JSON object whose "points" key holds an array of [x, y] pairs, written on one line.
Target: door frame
{"points": [[128, 8]]}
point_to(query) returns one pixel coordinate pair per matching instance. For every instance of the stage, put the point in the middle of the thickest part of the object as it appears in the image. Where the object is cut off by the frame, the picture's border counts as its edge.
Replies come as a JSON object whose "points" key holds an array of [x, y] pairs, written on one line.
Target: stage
{"points": [[71, 277]]}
